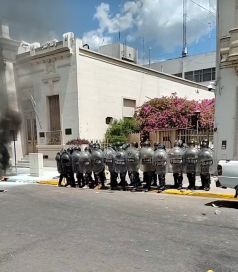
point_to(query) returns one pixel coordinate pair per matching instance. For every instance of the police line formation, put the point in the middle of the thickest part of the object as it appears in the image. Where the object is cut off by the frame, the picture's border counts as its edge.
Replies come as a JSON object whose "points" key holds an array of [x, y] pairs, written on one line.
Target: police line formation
{"points": [[120, 159]]}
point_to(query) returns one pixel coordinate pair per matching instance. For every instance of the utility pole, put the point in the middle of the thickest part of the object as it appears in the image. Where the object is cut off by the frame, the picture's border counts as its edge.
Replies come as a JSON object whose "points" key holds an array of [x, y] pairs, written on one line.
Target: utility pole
{"points": [[185, 49]]}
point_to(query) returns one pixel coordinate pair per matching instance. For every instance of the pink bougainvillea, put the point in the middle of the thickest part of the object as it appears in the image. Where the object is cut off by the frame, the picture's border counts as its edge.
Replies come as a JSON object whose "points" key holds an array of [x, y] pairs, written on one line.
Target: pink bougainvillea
{"points": [[174, 112]]}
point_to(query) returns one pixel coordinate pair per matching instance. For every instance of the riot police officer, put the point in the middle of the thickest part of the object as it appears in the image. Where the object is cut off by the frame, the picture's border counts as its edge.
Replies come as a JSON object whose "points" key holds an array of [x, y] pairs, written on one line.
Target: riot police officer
{"points": [[191, 163], [75, 165], [205, 158], [133, 165], [160, 162], [59, 168], [109, 159], [66, 162], [121, 166], [176, 161], [146, 163], [154, 177], [97, 160]]}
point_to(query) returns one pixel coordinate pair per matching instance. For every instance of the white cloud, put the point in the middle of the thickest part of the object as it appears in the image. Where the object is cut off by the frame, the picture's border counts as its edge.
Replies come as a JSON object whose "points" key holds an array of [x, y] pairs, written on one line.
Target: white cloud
{"points": [[95, 39], [158, 21]]}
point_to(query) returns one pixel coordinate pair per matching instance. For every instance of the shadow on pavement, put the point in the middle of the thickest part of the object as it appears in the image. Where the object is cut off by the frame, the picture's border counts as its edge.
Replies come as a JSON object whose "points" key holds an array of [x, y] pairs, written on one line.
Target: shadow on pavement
{"points": [[223, 204]]}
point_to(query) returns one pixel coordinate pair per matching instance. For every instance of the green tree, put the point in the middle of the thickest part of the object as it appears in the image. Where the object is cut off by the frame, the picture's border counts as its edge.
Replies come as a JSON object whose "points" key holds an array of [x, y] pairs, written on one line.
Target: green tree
{"points": [[118, 131]]}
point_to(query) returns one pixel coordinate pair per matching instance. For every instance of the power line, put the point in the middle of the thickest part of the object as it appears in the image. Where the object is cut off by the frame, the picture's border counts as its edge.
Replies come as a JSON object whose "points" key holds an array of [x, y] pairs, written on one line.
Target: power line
{"points": [[202, 7]]}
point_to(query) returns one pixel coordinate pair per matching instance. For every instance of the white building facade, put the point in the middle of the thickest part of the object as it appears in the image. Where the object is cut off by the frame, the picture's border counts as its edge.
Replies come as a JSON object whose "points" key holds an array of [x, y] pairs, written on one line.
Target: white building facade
{"points": [[198, 68], [226, 117]]}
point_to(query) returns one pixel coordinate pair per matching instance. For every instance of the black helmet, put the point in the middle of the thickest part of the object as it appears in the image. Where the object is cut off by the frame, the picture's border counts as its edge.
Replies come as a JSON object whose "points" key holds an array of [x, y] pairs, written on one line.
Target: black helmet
{"points": [[147, 143], [205, 143], [180, 143], [191, 143], [156, 145], [135, 144], [161, 146]]}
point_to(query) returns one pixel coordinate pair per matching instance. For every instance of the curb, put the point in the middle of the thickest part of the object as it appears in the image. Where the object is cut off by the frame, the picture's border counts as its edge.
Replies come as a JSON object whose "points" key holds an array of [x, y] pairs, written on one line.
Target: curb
{"points": [[49, 182], [200, 194], [54, 182]]}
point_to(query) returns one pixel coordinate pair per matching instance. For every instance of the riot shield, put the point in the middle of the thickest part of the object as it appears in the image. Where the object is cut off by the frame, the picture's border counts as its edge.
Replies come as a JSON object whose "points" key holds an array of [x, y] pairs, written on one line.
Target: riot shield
{"points": [[75, 161], [58, 163], [191, 160], [120, 162], [160, 161], [85, 162], [109, 155], [205, 160], [97, 161], [133, 159], [66, 162], [176, 156], [146, 159]]}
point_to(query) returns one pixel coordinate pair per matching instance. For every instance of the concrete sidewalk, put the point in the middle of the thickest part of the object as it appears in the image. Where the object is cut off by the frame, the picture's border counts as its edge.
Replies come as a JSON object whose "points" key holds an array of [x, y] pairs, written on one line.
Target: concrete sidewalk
{"points": [[50, 177]]}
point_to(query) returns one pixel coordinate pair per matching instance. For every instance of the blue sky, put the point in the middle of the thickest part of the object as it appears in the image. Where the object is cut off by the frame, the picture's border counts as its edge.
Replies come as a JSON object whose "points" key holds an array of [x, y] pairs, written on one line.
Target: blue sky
{"points": [[155, 23]]}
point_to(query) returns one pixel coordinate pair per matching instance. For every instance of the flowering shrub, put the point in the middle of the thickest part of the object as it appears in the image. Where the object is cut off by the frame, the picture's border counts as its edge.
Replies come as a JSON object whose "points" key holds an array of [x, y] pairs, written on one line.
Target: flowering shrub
{"points": [[174, 112]]}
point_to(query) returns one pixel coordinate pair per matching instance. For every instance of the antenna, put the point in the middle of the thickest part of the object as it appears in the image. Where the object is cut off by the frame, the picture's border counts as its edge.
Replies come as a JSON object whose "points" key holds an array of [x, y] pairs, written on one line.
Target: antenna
{"points": [[185, 49]]}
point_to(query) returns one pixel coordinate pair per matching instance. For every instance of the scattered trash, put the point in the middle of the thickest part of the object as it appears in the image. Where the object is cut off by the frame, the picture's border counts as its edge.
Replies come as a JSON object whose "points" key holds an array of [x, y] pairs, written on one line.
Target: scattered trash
{"points": [[3, 191], [97, 192], [204, 214], [215, 206], [217, 212], [146, 250]]}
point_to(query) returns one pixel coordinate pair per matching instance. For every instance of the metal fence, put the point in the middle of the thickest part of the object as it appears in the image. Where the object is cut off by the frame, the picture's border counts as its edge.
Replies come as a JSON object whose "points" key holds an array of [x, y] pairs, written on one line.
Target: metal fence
{"points": [[168, 136]]}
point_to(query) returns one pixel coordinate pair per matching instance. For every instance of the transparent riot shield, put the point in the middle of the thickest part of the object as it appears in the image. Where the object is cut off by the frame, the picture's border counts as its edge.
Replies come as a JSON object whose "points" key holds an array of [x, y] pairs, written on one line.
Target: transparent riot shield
{"points": [[146, 159], [205, 160], [133, 159], [66, 162], [109, 155], [58, 163], [160, 161], [75, 161], [191, 160], [120, 164], [176, 160], [97, 161], [85, 162]]}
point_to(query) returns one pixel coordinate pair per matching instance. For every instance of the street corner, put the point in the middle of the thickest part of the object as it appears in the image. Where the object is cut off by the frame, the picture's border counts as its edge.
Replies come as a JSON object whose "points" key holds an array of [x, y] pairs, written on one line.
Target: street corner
{"points": [[199, 194]]}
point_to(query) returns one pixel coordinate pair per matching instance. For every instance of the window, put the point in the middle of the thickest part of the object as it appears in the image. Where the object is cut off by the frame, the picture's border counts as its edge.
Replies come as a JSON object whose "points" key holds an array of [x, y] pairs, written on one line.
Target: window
{"points": [[202, 75], [207, 74], [109, 120], [178, 75], [198, 76], [129, 106], [213, 73], [189, 75]]}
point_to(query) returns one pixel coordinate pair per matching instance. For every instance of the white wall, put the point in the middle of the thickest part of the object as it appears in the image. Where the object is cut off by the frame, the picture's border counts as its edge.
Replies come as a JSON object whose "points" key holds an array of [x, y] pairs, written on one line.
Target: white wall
{"points": [[103, 83], [39, 80], [226, 116]]}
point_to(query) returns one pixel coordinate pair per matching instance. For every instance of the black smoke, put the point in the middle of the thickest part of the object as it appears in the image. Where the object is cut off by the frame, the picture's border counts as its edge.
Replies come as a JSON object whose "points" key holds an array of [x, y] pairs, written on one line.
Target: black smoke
{"points": [[36, 20], [10, 122]]}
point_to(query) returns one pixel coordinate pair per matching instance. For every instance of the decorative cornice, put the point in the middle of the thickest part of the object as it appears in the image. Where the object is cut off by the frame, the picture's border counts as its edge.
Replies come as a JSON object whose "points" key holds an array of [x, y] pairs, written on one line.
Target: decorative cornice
{"points": [[229, 50]]}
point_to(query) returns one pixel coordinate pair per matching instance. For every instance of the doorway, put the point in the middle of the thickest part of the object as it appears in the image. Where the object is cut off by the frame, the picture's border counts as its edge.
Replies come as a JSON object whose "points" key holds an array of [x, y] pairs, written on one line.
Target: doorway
{"points": [[31, 133]]}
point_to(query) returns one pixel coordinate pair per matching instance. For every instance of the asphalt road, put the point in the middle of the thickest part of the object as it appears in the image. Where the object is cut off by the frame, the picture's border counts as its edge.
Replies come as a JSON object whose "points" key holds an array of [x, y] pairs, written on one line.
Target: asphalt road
{"points": [[51, 229]]}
